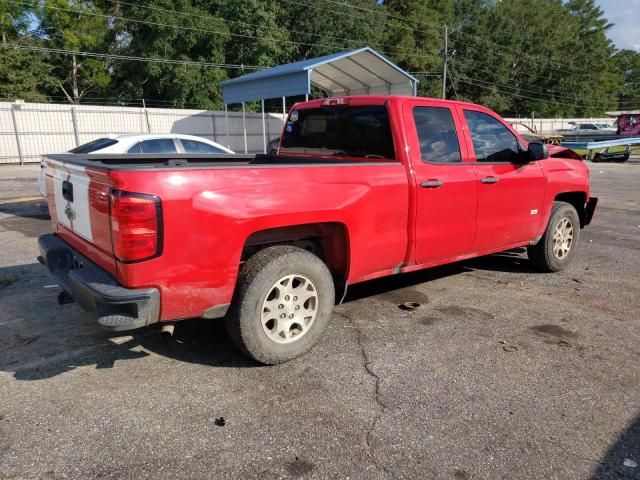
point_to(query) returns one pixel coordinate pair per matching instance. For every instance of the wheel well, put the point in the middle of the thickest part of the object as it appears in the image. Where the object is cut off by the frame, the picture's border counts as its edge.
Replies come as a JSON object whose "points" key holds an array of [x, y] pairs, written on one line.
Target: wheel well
{"points": [[329, 241], [578, 200]]}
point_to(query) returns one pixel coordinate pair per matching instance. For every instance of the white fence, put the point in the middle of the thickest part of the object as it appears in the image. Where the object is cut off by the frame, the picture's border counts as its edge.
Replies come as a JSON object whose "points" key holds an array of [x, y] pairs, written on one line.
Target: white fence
{"points": [[30, 130]]}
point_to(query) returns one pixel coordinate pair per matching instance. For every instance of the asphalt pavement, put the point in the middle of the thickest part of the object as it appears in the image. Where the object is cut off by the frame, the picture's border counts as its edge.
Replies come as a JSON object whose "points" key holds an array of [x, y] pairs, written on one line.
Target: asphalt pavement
{"points": [[501, 372]]}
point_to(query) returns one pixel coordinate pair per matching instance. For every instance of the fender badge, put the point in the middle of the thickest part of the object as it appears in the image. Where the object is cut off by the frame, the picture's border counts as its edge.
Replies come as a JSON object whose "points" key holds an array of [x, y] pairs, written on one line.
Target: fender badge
{"points": [[534, 212], [70, 212]]}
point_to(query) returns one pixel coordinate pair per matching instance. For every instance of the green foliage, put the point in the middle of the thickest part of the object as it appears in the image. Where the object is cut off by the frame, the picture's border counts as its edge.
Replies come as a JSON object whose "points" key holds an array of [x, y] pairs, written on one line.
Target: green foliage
{"points": [[628, 64], [25, 75], [551, 57], [200, 38], [75, 26]]}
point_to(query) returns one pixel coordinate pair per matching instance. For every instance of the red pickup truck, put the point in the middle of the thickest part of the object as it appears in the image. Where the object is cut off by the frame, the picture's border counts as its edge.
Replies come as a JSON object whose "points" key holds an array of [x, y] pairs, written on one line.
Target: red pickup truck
{"points": [[360, 188]]}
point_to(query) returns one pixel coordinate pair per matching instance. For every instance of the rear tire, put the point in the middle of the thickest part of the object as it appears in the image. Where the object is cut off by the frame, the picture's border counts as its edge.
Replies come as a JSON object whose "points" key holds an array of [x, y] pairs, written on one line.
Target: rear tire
{"points": [[284, 297], [557, 246]]}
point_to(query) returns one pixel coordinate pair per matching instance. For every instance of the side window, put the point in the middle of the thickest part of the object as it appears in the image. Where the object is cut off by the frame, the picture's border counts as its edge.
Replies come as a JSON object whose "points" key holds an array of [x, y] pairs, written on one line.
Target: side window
{"points": [[159, 145], [437, 135], [587, 126], [492, 141], [193, 146], [137, 148]]}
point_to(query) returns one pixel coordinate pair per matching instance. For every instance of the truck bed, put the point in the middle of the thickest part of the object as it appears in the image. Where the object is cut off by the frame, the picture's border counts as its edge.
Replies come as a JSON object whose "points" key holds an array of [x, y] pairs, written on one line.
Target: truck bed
{"points": [[172, 161]]}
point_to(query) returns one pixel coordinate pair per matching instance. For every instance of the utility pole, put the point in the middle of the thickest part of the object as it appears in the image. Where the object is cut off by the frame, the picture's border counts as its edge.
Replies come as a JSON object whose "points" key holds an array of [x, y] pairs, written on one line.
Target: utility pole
{"points": [[445, 57]]}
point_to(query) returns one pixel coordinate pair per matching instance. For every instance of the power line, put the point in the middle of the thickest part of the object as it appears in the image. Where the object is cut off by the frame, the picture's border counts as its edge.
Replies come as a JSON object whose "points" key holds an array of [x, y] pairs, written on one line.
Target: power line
{"points": [[212, 17], [490, 85], [551, 93], [545, 62], [111, 56]]}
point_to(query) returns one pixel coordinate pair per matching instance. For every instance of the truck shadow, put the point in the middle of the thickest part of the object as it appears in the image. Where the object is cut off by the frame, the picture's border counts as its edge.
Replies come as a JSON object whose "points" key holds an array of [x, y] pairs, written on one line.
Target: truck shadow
{"points": [[40, 340], [621, 457], [512, 261], [29, 218]]}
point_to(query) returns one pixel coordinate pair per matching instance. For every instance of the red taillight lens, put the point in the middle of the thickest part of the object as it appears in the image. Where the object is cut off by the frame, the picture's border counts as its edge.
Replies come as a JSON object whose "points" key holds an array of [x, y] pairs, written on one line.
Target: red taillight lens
{"points": [[135, 226]]}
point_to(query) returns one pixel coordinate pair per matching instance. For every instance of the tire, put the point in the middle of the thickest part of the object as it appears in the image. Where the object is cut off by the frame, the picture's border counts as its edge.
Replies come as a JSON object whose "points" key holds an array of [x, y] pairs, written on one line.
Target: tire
{"points": [[265, 280], [554, 254]]}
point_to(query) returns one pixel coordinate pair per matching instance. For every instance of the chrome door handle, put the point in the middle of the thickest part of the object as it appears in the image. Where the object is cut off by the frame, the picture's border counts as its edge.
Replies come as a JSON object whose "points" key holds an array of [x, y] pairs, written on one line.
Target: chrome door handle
{"points": [[490, 180], [432, 184]]}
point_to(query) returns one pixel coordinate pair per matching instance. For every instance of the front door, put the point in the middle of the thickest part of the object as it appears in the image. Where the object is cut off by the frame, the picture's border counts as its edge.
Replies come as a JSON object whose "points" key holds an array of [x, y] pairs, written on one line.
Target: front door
{"points": [[510, 190], [446, 187]]}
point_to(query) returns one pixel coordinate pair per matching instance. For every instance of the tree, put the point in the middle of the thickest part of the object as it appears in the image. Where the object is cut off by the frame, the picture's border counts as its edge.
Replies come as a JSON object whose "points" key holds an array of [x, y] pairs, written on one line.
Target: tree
{"points": [[628, 64], [169, 30], [75, 26], [415, 29], [592, 57], [23, 74]]}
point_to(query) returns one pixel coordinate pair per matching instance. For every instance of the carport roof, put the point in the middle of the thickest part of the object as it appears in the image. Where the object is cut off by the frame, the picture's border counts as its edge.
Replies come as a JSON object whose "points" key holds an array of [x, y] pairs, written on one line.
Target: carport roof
{"points": [[357, 72]]}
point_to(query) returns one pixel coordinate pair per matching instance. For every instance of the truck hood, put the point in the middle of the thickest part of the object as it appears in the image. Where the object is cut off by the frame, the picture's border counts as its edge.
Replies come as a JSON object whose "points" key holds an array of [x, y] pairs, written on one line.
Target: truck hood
{"points": [[557, 151]]}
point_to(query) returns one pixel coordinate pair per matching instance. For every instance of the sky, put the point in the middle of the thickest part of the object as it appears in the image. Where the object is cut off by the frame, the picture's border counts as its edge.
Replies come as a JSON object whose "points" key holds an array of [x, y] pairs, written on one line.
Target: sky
{"points": [[625, 14]]}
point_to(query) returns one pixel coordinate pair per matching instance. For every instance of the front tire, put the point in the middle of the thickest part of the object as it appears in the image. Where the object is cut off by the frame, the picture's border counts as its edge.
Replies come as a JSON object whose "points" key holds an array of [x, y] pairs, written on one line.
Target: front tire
{"points": [[557, 246], [282, 305]]}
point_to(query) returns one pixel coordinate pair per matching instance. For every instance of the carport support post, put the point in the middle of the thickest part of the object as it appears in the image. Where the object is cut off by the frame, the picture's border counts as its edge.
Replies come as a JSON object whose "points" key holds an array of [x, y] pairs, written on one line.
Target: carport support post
{"points": [[146, 115], [15, 130], [264, 129], [74, 121], [244, 127], [284, 109], [226, 123]]}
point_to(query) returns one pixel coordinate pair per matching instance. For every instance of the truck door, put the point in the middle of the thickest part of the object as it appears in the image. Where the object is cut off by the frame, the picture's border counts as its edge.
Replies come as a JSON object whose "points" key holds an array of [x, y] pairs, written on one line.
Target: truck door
{"points": [[510, 190], [445, 182]]}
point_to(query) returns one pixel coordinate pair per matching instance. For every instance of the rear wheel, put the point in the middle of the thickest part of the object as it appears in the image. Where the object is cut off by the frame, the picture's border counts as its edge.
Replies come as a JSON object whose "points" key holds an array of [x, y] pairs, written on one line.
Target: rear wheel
{"points": [[557, 246], [282, 305]]}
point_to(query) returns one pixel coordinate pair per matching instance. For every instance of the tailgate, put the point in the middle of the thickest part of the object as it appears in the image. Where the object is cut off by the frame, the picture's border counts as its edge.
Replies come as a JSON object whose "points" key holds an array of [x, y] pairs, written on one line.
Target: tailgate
{"points": [[78, 199]]}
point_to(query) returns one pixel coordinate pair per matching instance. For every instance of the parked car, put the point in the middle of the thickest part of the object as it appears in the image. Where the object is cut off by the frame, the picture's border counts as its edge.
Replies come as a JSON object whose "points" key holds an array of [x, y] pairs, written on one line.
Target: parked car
{"points": [[141, 143], [589, 129], [531, 134], [362, 187]]}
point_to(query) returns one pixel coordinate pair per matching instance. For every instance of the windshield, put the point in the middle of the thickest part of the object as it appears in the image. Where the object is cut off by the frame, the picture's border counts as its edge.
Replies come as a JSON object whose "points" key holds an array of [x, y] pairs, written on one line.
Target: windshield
{"points": [[94, 145], [360, 131]]}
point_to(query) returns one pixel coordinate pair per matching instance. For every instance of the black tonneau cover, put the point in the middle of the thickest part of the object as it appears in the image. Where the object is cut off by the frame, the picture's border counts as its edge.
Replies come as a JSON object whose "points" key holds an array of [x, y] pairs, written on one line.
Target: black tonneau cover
{"points": [[163, 161]]}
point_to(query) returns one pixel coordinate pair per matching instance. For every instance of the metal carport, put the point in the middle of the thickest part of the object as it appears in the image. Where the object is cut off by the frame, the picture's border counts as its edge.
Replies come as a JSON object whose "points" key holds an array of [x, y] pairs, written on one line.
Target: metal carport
{"points": [[357, 72]]}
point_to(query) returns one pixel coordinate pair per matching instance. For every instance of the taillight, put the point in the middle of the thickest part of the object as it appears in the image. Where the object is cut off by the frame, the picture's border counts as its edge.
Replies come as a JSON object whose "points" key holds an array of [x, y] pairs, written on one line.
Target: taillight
{"points": [[136, 224]]}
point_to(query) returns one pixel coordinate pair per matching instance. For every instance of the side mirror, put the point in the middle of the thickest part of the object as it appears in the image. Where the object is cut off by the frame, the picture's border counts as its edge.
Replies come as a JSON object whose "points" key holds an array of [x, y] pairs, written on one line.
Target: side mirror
{"points": [[537, 151]]}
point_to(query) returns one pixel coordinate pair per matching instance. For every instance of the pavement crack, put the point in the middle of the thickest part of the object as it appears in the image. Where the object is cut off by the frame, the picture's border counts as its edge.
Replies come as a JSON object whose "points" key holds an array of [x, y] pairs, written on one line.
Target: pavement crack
{"points": [[377, 381]]}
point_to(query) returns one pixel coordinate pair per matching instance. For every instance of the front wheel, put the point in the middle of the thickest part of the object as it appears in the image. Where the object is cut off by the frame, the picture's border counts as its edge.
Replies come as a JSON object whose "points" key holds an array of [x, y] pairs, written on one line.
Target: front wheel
{"points": [[282, 305], [557, 246]]}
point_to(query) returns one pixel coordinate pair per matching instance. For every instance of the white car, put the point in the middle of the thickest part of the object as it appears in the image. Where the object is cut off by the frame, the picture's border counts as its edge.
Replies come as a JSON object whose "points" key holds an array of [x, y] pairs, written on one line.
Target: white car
{"points": [[141, 143]]}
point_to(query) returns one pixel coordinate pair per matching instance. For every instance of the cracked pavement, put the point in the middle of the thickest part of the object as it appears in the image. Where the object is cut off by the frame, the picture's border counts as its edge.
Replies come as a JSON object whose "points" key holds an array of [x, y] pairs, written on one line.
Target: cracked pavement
{"points": [[432, 393]]}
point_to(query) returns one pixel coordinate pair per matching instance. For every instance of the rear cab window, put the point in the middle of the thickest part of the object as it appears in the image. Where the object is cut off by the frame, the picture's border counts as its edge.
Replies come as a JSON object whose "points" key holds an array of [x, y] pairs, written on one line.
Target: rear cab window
{"points": [[94, 145], [358, 131]]}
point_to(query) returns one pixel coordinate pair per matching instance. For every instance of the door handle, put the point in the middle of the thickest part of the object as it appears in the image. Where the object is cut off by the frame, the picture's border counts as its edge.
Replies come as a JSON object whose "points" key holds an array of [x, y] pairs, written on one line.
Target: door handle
{"points": [[67, 190], [490, 180], [432, 184]]}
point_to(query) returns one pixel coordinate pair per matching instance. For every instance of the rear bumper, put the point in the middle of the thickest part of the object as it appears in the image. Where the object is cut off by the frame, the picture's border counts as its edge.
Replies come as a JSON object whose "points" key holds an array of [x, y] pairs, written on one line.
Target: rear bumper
{"points": [[590, 209], [116, 308]]}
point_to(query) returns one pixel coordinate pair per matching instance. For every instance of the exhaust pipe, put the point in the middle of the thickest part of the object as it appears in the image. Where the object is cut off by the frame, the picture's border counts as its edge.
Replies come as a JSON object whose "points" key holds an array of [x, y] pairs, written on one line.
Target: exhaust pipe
{"points": [[167, 330]]}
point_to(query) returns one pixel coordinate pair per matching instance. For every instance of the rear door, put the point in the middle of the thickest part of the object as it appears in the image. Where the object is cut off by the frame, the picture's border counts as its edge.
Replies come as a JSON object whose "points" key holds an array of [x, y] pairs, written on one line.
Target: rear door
{"points": [[446, 187], [510, 191]]}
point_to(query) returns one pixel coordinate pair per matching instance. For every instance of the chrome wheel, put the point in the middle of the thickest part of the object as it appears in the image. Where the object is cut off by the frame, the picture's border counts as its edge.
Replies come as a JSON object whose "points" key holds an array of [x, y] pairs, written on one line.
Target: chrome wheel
{"points": [[563, 238], [289, 308]]}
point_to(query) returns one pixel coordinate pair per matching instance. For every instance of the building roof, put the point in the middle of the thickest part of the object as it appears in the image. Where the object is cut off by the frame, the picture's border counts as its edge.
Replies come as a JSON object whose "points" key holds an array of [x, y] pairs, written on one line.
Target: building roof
{"points": [[357, 72]]}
